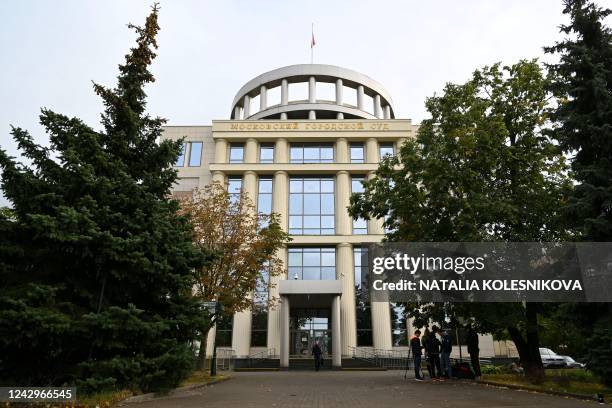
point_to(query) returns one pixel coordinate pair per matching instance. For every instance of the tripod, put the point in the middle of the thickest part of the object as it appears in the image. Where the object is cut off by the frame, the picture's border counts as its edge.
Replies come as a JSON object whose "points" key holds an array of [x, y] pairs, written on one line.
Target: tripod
{"points": [[407, 363]]}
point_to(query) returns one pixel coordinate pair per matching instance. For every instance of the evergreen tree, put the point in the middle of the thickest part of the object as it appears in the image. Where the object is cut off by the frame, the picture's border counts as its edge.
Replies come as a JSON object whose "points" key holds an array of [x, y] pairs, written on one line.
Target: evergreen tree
{"points": [[583, 126], [96, 274]]}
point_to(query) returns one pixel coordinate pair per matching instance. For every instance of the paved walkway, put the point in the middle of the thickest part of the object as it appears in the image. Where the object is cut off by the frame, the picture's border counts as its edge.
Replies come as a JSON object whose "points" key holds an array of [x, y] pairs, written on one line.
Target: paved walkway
{"points": [[354, 390]]}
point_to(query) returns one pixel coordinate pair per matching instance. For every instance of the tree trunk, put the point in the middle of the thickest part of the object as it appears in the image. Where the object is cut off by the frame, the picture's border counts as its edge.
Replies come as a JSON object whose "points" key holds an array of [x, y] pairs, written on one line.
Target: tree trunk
{"points": [[529, 348]]}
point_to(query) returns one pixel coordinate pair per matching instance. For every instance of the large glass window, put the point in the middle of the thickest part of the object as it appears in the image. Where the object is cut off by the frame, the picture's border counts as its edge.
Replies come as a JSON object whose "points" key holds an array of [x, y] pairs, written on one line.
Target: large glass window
{"points": [[312, 263], [357, 153], [180, 161], [386, 149], [360, 225], [266, 154], [259, 324], [311, 206], [195, 154], [362, 300], [224, 332], [234, 188], [311, 153], [236, 153], [264, 199]]}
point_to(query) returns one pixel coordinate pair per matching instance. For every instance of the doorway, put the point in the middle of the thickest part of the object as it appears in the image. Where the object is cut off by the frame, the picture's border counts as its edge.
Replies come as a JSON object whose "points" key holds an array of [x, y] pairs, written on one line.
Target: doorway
{"points": [[307, 326]]}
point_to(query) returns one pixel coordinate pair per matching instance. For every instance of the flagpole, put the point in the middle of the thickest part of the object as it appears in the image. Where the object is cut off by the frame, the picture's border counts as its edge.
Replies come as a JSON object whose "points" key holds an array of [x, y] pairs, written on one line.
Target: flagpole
{"points": [[311, 45]]}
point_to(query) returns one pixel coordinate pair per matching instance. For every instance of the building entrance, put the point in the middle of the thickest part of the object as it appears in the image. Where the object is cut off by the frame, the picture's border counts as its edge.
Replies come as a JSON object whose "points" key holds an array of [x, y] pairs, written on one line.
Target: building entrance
{"points": [[306, 327]]}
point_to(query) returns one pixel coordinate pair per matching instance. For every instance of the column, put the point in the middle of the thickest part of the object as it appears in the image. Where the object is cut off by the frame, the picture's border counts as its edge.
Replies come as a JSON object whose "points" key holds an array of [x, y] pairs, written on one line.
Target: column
{"points": [[377, 105], [281, 151], [342, 153], [312, 115], [220, 151], [246, 107], [343, 219], [372, 150], [312, 90], [340, 115], [375, 225], [237, 112], [284, 337], [336, 333], [210, 340], [346, 274], [263, 98], [274, 312], [284, 92], [280, 197], [360, 97], [218, 177], [381, 325], [338, 91], [398, 144], [250, 151], [387, 112], [241, 333], [283, 116]]}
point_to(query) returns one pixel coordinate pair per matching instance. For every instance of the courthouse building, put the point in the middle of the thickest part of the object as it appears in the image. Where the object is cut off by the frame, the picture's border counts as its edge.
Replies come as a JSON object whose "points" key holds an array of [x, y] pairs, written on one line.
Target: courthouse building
{"points": [[299, 140]]}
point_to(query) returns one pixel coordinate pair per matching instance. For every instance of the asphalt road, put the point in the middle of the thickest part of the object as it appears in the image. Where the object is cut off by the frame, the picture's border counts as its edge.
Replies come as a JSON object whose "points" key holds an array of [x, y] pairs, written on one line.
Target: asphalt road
{"points": [[354, 390]]}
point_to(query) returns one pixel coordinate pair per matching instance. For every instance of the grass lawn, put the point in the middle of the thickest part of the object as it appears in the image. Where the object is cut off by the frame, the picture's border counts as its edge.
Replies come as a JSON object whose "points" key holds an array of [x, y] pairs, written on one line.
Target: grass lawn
{"points": [[199, 377], [575, 381]]}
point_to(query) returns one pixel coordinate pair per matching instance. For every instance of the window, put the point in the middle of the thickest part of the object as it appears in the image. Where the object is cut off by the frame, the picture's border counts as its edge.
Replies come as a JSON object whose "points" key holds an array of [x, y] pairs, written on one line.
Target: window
{"points": [[195, 154], [264, 199], [234, 188], [399, 324], [259, 324], [362, 300], [357, 153], [386, 149], [311, 153], [360, 225], [236, 153], [266, 154], [180, 161], [311, 206], [312, 263], [223, 336]]}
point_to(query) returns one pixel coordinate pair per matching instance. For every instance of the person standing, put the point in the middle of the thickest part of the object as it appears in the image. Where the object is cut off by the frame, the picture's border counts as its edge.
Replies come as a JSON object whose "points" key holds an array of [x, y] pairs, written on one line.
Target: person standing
{"points": [[432, 347], [316, 353], [472, 346], [417, 352], [446, 349], [424, 343]]}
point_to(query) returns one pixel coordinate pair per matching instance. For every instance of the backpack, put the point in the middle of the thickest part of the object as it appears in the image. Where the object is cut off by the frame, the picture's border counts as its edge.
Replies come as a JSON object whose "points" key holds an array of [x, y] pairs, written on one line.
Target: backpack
{"points": [[463, 370]]}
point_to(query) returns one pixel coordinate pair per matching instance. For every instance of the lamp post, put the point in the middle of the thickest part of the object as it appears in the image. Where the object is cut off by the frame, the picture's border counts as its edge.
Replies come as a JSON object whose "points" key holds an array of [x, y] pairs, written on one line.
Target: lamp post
{"points": [[214, 309]]}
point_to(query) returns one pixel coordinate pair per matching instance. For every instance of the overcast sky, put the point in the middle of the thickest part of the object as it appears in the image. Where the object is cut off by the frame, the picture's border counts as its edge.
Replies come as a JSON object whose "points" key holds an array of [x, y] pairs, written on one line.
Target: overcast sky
{"points": [[52, 50]]}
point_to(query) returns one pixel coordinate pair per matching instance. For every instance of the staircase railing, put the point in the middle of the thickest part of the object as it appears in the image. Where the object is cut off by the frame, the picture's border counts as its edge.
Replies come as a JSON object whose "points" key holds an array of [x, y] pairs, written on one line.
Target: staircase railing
{"points": [[390, 359], [225, 359]]}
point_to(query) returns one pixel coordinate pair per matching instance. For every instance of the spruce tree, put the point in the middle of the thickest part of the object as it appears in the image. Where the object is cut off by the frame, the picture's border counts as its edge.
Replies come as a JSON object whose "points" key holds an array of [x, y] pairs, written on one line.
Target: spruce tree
{"points": [[96, 262]]}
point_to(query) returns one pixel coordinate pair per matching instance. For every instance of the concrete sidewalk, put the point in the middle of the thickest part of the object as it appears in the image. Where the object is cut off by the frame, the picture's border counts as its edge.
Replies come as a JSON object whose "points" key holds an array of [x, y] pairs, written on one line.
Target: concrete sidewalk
{"points": [[354, 390]]}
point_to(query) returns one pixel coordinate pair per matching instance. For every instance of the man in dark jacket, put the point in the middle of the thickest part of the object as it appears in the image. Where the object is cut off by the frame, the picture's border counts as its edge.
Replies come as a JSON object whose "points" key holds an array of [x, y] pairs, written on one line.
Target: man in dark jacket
{"points": [[432, 347], [416, 348], [472, 346], [316, 353], [447, 348]]}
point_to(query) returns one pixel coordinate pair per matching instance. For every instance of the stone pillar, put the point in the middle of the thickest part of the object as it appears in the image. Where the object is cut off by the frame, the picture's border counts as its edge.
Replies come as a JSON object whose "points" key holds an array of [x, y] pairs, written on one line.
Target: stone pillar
{"points": [[263, 98], [237, 112], [343, 188], [377, 106], [387, 112], [250, 152], [246, 108], [274, 312], [280, 197], [312, 115], [284, 334], [336, 333], [283, 116], [220, 151], [284, 92], [360, 97], [312, 90], [281, 151], [342, 150], [340, 115], [371, 150], [381, 325], [241, 332], [210, 340], [339, 91], [218, 177], [375, 225], [346, 274]]}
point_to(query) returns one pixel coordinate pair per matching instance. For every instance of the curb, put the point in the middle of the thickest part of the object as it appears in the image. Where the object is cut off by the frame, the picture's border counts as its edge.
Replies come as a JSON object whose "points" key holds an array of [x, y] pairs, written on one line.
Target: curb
{"points": [[151, 396], [539, 390]]}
